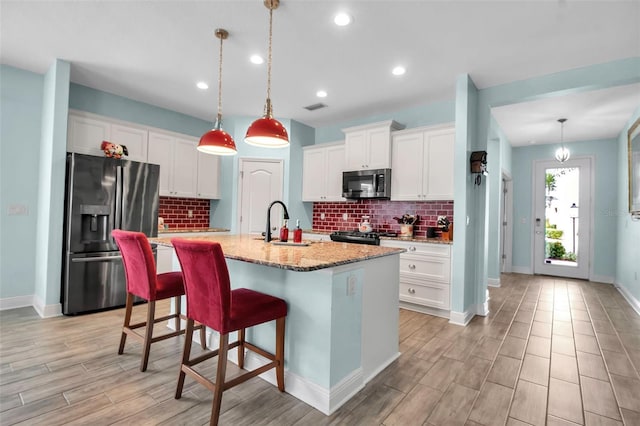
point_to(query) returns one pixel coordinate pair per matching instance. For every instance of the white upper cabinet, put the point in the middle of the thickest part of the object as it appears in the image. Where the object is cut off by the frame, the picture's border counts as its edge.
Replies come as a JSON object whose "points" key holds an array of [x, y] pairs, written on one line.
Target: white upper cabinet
{"points": [[134, 138], [178, 160], [322, 168], [85, 134], [184, 171], [87, 131], [369, 147], [422, 165], [208, 176]]}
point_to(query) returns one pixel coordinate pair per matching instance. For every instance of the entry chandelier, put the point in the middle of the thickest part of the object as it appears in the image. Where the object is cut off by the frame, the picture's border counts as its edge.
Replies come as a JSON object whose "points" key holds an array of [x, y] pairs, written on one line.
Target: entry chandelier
{"points": [[216, 141], [267, 131], [562, 153]]}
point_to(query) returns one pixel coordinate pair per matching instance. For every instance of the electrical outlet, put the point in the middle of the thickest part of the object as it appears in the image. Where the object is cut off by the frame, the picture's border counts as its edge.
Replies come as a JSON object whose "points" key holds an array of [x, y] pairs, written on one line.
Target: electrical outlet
{"points": [[351, 285], [190, 214], [345, 216], [322, 216]]}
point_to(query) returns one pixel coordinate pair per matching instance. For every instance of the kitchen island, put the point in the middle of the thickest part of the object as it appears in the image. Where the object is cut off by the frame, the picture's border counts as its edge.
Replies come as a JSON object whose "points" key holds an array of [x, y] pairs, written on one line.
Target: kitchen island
{"points": [[342, 323]]}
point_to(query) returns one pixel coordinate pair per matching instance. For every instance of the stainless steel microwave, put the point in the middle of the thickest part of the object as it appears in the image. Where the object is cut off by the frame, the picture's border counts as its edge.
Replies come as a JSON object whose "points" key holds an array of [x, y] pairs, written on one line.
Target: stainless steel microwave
{"points": [[367, 184]]}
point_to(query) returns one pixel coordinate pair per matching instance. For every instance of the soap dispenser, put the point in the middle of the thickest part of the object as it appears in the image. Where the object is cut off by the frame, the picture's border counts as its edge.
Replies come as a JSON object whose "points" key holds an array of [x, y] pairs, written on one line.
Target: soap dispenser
{"points": [[297, 233], [284, 232]]}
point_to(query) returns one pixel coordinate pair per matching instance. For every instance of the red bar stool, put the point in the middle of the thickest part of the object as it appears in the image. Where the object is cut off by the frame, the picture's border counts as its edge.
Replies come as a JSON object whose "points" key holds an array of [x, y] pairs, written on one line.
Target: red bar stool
{"points": [[210, 301], [142, 281]]}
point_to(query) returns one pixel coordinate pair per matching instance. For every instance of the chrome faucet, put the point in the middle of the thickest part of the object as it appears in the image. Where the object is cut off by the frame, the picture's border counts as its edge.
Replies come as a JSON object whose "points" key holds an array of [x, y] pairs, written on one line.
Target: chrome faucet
{"points": [[267, 234]]}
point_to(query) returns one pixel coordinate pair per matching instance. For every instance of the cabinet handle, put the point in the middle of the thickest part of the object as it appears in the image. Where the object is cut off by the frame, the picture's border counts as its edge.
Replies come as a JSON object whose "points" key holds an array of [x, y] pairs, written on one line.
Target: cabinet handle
{"points": [[411, 291], [412, 267], [412, 248]]}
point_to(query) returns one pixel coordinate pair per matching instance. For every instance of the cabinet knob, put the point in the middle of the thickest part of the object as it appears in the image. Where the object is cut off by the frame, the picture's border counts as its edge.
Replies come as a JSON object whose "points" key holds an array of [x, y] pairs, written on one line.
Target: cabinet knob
{"points": [[412, 248], [412, 267], [411, 291]]}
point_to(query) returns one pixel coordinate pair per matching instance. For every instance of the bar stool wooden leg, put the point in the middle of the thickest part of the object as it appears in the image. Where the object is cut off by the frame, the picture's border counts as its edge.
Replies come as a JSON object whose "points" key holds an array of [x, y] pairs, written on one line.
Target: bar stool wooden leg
{"points": [[185, 357], [280, 322], [203, 336], [176, 302], [220, 375], [148, 335], [127, 322], [241, 348]]}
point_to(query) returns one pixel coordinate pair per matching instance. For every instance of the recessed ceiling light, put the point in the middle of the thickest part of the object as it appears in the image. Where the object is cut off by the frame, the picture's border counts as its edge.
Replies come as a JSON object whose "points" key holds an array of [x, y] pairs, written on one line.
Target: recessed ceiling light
{"points": [[399, 70], [257, 59], [342, 19], [202, 85], [321, 94]]}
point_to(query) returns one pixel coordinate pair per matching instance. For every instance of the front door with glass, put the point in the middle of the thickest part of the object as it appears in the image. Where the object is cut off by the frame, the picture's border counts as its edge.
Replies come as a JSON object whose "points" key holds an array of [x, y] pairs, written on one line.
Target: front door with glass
{"points": [[562, 218]]}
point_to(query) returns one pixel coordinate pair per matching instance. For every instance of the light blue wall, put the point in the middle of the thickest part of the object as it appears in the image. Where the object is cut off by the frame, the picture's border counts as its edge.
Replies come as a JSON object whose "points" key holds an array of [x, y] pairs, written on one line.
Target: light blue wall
{"points": [[53, 142], [463, 287], [301, 135], [423, 115], [582, 79], [627, 262], [91, 100], [605, 201], [20, 118], [499, 162]]}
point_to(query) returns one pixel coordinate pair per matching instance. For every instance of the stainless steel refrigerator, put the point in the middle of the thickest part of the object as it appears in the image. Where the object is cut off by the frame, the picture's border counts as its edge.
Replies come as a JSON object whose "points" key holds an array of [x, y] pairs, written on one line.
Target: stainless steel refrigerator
{"points": [[103, 194]]}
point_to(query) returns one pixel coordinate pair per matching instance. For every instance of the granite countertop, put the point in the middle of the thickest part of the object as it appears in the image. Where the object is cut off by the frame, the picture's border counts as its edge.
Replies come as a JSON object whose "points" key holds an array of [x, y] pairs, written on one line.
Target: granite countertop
{"points": [[317, 255], [398, 238], [184, 231]]}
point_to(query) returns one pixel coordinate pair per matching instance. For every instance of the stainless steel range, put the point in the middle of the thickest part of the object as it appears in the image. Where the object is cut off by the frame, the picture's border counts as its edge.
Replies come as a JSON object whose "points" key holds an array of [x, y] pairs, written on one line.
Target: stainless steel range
{"points": [[371, 238]]}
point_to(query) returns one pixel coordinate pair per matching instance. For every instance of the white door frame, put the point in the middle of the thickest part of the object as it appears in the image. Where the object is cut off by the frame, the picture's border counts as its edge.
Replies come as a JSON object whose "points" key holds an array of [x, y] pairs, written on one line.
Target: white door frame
{"points": [[586, 203], [506, 230], [241, 163]]}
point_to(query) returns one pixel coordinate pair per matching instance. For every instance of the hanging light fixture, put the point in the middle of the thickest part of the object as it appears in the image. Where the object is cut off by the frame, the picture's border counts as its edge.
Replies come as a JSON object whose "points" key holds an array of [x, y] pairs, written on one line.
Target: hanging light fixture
{"points": [[562, 153], [216, 141], [267, 131]]}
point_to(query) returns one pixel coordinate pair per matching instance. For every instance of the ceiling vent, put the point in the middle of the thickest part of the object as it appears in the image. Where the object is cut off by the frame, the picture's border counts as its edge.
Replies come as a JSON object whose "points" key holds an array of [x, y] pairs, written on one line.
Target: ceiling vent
{"points": [[315, 106]]}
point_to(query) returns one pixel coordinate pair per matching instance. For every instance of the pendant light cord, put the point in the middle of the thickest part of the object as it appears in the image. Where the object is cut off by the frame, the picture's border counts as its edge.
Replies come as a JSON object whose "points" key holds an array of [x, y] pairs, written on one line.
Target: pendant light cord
{"points": [[269, 58], [219, 117]]}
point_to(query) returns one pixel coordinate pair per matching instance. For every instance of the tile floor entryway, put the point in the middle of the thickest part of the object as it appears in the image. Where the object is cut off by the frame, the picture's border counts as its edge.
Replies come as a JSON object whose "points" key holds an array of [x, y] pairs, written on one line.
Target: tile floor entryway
{"points": [[552, 352]]}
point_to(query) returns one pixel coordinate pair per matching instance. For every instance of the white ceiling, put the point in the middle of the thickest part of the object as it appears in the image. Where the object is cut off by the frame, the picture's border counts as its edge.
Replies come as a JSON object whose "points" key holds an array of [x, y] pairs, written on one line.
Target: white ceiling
{"points": [[155, 52], [594, 115]]}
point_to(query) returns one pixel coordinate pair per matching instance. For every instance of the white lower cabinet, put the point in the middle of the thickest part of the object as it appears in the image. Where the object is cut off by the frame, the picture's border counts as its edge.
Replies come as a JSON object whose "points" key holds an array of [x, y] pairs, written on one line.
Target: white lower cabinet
{"points": [[315, 237], [164, 260], [425, 276]]}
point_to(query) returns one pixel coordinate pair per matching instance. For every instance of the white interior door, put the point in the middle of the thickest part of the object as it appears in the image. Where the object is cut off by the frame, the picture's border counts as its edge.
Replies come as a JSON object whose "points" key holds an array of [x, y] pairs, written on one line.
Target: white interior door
{"points": [[562, 218], [506, 215], [260, 184]]}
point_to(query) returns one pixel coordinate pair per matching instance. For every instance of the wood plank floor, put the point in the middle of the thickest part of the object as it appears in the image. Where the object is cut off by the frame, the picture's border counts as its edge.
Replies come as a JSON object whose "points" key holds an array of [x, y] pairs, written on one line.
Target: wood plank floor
{"points": [[552, 352]]}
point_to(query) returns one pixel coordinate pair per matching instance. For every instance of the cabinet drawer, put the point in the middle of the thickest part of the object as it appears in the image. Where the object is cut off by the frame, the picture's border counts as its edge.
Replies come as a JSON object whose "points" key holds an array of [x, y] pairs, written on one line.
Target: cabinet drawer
{"points": [[426, 293], [431, 249], [426, 267]]}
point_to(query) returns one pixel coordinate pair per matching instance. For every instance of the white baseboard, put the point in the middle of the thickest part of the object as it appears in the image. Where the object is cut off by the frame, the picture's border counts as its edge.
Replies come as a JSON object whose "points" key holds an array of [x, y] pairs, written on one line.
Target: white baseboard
{"points": [[16, 302], [635, 303], [602, 279], [493, 282], [522, 270], [424, 309], [462, 318], [46, 311]]}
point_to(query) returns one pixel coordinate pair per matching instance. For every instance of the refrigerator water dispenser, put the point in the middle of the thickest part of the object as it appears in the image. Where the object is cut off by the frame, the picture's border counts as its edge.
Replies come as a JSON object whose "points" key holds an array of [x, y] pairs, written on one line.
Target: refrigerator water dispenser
{"points": [[95, 223]]}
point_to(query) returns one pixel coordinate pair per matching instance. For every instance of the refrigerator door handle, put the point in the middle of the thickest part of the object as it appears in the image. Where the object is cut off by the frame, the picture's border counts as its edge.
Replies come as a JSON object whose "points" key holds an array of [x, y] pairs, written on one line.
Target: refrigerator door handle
{"points": [[94, 259], [119, 195]]}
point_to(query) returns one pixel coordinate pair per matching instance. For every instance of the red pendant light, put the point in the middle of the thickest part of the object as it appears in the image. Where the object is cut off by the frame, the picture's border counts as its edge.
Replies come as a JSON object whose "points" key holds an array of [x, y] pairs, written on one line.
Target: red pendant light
{"points": [[266, 131], [216, 141]]}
